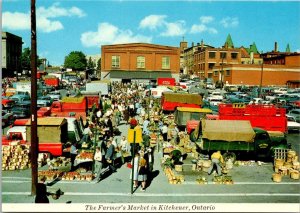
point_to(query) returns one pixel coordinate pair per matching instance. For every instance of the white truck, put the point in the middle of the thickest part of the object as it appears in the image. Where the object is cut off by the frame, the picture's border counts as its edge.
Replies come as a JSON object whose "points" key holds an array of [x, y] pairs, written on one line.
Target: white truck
{"points": [[97, 87]]}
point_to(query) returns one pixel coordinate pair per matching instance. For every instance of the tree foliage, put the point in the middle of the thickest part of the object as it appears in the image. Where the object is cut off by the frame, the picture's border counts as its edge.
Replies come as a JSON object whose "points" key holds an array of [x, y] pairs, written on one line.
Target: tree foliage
{"points": [[99, 64], [75, 60], [26, 59], [90, 63]]}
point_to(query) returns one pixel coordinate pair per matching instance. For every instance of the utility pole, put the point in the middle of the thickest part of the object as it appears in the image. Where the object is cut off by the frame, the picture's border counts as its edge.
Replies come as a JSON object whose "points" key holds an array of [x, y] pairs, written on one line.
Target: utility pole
{"points": [[33, 131], [261, 78]]}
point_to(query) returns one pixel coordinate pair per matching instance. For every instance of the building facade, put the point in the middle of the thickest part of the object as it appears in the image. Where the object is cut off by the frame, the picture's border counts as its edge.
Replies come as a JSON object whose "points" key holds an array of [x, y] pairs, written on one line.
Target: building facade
{"points": [[11, 54], [139, 61], [255, 74]]}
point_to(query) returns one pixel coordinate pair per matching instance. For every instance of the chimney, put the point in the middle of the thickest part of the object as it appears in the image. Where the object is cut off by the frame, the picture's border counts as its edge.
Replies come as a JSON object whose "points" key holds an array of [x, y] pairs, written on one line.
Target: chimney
{"points": [[202, 44], [192, 44], [275, 48]]}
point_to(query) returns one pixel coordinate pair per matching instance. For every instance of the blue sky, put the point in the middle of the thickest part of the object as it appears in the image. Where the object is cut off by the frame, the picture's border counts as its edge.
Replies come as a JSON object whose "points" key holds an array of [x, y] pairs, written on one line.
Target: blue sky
{"points": [[84, 25]]}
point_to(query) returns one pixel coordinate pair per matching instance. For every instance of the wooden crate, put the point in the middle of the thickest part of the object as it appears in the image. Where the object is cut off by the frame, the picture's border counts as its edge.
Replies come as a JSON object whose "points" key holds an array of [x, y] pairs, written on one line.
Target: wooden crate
{"points": [[280, 153]]}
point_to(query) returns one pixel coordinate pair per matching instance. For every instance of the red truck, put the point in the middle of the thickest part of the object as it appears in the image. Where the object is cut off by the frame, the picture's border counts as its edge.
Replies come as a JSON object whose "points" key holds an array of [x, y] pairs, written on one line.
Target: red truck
{"points": [[70, 106], [170, 100], [267, 117], [52, 134], [52, 81], [166, 82]]}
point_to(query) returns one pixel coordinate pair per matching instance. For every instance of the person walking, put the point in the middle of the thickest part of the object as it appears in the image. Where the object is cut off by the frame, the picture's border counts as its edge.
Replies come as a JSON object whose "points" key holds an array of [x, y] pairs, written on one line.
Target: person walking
{"points": [[87, 134], [135, 163], [164, 132], [41, 191], [216, 159], [73, 154], [142, 168], [109, 156], [98, 163]]}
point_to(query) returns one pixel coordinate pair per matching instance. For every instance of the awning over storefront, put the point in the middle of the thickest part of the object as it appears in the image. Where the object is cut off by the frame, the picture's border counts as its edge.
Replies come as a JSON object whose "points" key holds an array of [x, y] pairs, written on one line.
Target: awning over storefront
{"points": [[151, 75]]}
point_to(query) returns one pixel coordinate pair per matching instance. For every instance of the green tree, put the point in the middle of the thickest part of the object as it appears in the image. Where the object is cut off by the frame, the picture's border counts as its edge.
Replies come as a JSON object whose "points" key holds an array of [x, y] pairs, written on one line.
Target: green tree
{"points": [[99, 64], [76, 60], [26, 59], [90, 64]]}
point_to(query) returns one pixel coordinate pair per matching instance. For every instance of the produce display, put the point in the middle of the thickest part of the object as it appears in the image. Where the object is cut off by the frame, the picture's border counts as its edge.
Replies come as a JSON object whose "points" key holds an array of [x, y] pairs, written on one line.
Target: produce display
{"points": [[77, 176], [85, 155], [201, 180], [173, 179], [222, 180], [15, 157], [59, 162], [50, 174], [290, 166]]}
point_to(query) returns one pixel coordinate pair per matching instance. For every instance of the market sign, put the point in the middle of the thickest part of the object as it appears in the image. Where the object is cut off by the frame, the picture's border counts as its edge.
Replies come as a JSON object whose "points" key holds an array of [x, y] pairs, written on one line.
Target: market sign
{"points": [[138, 135]]}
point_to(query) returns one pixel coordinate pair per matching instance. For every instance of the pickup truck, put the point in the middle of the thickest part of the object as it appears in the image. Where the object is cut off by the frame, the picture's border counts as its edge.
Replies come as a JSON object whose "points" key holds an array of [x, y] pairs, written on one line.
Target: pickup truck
{"points": [[170, 100], [237, 138], [68, 106], [52, 135]]}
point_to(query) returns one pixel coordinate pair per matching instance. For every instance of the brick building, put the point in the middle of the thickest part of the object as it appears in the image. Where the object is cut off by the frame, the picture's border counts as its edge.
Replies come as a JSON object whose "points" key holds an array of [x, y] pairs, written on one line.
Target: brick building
{"points": [[139, 61], [207, 57], [254, 74], [11, 54]]}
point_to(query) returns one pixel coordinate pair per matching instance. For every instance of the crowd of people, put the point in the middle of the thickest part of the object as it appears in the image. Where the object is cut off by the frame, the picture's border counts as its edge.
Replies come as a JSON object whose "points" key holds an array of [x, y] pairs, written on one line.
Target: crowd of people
{"points": [[125, 104]]}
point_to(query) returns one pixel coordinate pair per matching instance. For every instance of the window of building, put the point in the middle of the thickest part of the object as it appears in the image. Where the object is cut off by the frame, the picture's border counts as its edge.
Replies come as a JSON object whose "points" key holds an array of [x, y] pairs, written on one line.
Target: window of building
{"points": [[115, 61], [227, 72], [140, 62], [222, 55], [212, 54], [165, 62], [211, 65], [216, 73], [234, 55]]}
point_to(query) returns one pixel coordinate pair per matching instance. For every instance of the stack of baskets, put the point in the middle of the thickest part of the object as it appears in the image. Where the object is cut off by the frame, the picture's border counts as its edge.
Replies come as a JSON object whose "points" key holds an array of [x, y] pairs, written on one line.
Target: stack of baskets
{"points": [[203, 165], [287, 167]]}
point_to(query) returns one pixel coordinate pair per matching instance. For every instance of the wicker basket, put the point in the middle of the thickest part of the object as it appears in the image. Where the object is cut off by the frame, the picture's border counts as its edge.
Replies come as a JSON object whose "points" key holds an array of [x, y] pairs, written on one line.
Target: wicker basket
{"points": [[279, 162], [178, 168], [206, 163], [291, 154], [276, 177], [294, 174]]}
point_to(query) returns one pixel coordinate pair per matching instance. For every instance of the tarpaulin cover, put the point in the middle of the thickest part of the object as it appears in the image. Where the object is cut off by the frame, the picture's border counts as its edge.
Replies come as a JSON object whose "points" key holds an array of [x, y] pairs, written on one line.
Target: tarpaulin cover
{"points": [[228, 130], [183, 98]]}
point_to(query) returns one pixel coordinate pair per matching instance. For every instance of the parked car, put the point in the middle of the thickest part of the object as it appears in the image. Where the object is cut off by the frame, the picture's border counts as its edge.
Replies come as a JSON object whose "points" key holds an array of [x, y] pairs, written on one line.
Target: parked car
{"points": [[55, 95], [21, 110], [7, 102], [24, 99], [292, 124], [44, 101], [7, 118], [295, 113]]}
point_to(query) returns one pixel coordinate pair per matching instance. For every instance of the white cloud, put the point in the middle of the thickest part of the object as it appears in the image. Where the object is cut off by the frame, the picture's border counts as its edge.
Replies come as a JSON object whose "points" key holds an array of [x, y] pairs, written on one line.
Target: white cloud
{"points": [[206, 19], [16, 21], [110, 34], [174, 29], [201, 28], [55, 11], [44, 18], [152, 21], [169, 29], [230, 22], [47, 26]]}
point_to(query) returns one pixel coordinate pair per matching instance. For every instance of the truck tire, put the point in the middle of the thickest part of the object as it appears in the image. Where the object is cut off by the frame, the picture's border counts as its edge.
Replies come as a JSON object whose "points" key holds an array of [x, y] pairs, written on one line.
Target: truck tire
{"points": [[229, 155]]}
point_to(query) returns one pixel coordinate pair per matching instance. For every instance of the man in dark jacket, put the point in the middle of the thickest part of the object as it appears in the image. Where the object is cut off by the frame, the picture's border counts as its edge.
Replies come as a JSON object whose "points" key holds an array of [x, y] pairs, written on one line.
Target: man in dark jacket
{"points": [[109, 156], [41, 191]]}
